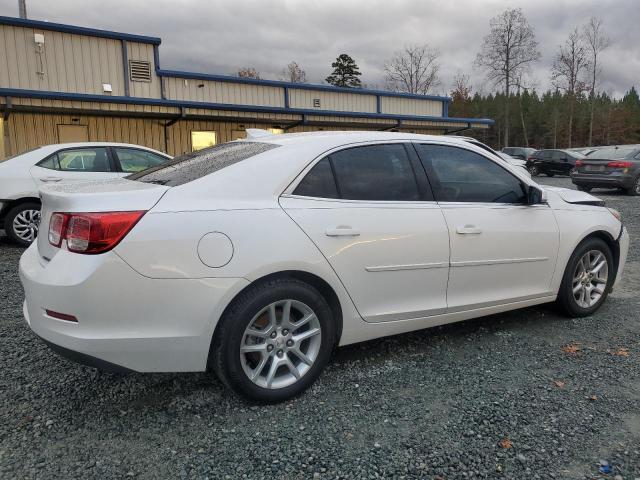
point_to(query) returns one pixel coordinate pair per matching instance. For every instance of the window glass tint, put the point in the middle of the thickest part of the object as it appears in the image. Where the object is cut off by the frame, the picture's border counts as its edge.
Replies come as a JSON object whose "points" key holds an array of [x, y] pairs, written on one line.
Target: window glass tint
{"points": [[133, 160], [377, 172], [319, 182], [49, 162], [84, 160], [557, 155], [191, 166], [459, 175]]}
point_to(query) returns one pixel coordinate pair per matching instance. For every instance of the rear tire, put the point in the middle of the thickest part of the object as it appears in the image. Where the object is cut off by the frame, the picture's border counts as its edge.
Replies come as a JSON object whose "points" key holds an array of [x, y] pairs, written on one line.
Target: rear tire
{"points": [[256, 350], [550, 174], [634, 191], [22, 222], [587, 280], [534, 170]]}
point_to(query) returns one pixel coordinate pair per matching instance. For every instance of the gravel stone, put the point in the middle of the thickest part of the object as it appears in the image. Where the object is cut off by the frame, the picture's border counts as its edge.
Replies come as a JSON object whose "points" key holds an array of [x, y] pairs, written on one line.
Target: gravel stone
{"points": [[435, 403]]}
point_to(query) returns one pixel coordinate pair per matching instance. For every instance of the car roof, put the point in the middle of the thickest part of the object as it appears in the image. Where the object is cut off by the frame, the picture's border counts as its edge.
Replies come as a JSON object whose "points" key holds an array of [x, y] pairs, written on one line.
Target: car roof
{"points": [[58, 146], [332, 139]]}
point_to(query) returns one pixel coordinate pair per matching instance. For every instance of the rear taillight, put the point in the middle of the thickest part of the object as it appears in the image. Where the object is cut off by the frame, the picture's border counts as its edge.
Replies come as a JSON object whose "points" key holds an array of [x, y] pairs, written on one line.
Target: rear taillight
{"points": [[91, 232], [579, 163], [619, 164]]}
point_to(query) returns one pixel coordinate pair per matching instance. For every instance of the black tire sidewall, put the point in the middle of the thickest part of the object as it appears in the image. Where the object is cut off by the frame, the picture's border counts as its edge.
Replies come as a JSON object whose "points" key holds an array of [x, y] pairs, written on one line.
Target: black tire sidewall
{"points": [[8, 221], [565, 295], [234, 323]]}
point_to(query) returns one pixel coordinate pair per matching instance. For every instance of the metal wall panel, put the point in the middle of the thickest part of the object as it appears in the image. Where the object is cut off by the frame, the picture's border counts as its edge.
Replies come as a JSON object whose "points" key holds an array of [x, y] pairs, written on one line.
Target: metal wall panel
{"points": [[223, 92], [411, 106], [68, 62], [144, 52], [342, 102]]}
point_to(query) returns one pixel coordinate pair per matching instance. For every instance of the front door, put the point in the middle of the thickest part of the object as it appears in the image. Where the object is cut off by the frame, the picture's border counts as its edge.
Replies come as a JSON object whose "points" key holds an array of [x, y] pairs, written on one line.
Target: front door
{"points": [[502, 250], [369, 211]]}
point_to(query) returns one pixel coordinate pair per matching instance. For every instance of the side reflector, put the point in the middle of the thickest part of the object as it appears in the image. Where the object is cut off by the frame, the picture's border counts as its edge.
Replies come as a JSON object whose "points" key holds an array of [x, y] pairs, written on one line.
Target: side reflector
{"points": [[61, 316]]}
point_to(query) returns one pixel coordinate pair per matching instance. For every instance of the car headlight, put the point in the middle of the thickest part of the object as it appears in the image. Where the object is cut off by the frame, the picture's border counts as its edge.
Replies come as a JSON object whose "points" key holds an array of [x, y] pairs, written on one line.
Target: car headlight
{"points": [[616, 214]]}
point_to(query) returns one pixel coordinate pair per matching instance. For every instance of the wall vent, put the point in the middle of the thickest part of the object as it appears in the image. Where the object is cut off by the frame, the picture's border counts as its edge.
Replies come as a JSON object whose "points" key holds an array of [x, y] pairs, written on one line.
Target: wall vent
{"points": [[139, 71]]}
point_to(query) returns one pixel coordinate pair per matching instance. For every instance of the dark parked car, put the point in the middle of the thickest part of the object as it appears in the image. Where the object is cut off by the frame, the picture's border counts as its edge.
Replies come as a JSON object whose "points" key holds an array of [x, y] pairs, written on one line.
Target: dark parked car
{"points": [[613, 167], [519, 152], [551, 162]]}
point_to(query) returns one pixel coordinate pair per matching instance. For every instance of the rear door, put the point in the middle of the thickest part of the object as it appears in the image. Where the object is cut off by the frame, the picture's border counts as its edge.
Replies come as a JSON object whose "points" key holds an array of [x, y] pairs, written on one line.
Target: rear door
{"points": [[73, 164], [370, 212], [502, 250]]}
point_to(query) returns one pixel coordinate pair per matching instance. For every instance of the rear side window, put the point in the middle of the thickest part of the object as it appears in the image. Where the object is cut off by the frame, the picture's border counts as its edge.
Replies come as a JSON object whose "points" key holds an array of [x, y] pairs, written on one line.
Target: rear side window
{"points": [[191, 166], [49, 162], [319, 182], [373, 173]]}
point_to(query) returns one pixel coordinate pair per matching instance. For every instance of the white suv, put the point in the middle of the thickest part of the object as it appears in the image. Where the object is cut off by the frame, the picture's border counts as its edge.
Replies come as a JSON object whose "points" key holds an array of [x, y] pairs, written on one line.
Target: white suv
{"points": [[22, 175]]}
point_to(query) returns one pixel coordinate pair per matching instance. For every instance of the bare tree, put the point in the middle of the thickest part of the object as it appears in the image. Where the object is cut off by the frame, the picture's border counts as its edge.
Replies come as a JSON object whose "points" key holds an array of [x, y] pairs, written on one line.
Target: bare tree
{"points": [[461, 88], [507, 51], [293, 73], [566, 71], [248, 72], [596, 41], [414, 69]]}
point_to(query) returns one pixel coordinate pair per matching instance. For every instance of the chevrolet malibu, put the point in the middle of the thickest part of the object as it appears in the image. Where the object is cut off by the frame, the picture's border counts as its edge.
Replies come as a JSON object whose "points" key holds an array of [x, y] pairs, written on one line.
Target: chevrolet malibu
{"points": [[256, 258]]}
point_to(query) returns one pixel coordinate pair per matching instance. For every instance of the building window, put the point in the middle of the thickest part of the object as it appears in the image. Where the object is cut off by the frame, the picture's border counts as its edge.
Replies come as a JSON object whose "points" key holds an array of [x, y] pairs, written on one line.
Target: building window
{"points": [[202, 139], [276, 130]]}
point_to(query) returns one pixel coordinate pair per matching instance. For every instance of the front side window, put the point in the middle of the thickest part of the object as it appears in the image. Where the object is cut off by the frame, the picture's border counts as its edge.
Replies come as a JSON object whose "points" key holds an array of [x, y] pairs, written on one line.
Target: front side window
{"points": [[83, 160], [133, 160], [459, 175]]}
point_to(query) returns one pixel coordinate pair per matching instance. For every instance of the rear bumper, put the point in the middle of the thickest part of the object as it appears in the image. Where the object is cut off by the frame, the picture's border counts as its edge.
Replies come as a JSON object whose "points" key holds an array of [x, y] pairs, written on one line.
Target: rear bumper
{"points": [[613, 180], [125, 321]]}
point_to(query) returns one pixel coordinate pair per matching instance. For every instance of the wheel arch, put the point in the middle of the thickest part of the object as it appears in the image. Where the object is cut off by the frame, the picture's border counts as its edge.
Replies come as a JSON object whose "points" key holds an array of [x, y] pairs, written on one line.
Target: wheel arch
{"points": [[611, 242], [10, 204], [320, 284]]}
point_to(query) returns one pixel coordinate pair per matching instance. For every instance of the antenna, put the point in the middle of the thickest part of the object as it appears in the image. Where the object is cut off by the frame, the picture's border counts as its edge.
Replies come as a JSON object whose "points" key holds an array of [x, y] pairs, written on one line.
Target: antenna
{"points": [[22, 8]]}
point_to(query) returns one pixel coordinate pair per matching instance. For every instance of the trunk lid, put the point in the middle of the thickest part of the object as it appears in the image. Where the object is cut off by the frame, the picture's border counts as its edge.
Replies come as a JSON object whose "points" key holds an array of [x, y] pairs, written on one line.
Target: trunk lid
{"points": [[93, 196]]}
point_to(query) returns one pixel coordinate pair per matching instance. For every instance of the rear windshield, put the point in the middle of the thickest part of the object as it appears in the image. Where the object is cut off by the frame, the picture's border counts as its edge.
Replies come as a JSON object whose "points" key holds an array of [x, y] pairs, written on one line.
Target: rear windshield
{"points": [[613, 153], [191, 166]]}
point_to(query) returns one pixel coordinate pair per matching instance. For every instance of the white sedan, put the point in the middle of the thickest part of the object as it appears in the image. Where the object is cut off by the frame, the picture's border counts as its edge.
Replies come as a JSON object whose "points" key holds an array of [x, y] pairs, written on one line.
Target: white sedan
{"points": [[23, 174], [256, 258]]}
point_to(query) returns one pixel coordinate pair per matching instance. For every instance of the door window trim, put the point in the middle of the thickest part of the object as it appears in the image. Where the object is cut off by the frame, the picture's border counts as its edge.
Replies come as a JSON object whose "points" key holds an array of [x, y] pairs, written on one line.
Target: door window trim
{"points": [[415, 143]]}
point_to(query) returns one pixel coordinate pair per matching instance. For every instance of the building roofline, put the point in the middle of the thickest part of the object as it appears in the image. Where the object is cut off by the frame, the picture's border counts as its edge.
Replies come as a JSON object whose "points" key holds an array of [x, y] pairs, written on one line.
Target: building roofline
{"points": [[302, 86], [93, 32], [12, 92], [59, 27]]}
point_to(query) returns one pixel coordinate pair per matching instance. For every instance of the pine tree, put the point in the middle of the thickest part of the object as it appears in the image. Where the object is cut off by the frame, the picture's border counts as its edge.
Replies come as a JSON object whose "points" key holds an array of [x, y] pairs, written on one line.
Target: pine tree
{"points": [[345, 73]]}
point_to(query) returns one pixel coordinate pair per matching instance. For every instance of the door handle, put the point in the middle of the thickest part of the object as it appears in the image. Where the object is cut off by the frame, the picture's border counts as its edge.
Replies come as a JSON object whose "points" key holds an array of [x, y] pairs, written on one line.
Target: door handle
{"points": [[341, 231], [51, 179], [469, 230]]}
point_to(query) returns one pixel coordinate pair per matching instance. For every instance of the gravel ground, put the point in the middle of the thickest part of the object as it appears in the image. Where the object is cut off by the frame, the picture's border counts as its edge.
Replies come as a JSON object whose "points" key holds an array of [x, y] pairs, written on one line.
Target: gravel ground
{"points": [[496, 397]]}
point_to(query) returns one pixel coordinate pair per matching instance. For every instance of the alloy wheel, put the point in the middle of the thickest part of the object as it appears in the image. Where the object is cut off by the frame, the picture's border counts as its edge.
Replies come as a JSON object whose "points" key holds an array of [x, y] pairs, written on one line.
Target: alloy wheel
{"points": [[25, 225], [280, 344], [590, 278], [637, 186]]}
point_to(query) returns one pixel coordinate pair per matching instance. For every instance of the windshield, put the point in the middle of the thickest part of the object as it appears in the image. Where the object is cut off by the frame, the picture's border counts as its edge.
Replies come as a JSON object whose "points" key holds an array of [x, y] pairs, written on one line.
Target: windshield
{"points": [[613, 153], [194, 165]]}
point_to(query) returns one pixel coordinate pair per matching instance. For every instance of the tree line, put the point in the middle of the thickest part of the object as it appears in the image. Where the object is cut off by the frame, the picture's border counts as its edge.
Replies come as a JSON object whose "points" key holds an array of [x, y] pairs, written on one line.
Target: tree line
{"points": [[575, 112]]}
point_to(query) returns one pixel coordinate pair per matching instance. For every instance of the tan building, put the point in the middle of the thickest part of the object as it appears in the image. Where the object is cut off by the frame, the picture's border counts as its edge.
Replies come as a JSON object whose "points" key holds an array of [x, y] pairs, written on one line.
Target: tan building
{"points": [[62, 83]]}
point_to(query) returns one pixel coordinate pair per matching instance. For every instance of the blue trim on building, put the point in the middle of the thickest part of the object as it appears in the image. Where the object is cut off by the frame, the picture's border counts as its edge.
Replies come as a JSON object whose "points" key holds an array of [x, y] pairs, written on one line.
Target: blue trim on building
{"points": [[13, 92], [301, 86], [445, 109], [286, 97], [92, 32], [379, 104]]}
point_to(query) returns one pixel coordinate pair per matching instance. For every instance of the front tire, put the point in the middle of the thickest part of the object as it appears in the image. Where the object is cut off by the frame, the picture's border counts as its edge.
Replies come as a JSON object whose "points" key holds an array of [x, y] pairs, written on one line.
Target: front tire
{"points": [[274, 340], [534, 170], [587, 278], [22, 222]]}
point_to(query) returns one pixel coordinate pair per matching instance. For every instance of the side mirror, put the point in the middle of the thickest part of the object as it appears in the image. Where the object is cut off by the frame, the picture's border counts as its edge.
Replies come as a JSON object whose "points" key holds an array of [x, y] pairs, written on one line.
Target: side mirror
{"points": [[535, 196]]}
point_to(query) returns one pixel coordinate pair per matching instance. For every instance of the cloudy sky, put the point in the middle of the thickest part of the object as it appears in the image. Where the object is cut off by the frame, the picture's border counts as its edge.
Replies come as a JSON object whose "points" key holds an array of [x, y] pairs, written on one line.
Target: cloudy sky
{"points": [[222, 36]]}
